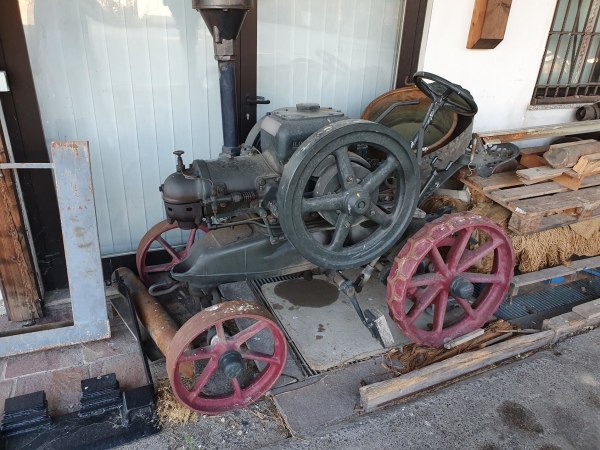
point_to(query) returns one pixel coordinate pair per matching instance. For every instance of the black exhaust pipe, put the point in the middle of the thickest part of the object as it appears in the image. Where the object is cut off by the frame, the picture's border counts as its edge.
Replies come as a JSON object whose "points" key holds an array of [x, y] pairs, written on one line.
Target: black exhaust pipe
{"points": [[224, 19]]}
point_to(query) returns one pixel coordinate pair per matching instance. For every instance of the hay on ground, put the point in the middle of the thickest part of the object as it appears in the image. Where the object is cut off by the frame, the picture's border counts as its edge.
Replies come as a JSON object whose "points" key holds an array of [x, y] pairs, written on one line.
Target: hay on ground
{"points": [[414, 356], [168, 409]]}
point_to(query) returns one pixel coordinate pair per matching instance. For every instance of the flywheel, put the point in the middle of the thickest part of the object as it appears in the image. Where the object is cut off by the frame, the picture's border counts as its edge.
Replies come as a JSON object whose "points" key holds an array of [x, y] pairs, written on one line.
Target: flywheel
{"points": [[367, 209]]}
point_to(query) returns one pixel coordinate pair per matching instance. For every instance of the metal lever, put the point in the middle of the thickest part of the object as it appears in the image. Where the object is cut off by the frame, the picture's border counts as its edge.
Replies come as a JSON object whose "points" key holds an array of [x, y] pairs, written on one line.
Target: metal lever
{"points": [[257, 100], [376, 325], [180, 165]]}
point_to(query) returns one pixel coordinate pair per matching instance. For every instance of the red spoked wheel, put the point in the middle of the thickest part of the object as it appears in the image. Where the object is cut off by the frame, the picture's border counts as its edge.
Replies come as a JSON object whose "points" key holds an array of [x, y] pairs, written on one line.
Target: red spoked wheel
{"points": [[228, 375], [439, 287], [176, 254]]}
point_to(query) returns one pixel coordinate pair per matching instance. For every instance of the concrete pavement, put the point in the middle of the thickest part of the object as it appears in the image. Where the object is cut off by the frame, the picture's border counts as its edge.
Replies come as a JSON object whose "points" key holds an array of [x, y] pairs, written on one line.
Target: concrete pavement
{"points": [[550, 400]]}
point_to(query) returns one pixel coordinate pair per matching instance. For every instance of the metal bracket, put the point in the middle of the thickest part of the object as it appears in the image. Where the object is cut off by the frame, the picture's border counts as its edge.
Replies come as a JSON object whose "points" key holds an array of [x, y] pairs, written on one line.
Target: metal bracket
{"points": [[73, 181]]}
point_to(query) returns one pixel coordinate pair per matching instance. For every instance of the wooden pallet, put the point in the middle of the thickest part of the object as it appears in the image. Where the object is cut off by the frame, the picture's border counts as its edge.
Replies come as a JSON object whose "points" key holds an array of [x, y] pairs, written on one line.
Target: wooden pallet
{"points": [[541, 206]]}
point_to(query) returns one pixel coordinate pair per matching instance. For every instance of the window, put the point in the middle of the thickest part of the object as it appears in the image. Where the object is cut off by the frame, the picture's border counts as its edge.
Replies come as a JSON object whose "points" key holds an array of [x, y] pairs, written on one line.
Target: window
{"points": [[570, 71]]}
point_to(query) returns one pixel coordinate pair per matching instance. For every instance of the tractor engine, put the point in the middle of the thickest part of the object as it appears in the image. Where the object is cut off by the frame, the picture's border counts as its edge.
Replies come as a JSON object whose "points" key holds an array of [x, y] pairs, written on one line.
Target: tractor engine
{"points": [[215, 192], [309, 188]]}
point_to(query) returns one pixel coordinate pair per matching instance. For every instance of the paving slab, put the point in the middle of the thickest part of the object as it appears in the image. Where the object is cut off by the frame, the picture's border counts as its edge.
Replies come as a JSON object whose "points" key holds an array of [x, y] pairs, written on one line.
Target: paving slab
{"points": [[325, 327], [128, 368], [42, 361], [332, 397], [121, 342]]}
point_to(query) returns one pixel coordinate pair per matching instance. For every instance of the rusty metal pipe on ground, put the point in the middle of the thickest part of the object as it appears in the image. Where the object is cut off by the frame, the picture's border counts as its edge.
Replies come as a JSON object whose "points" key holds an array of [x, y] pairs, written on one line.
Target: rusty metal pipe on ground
{"points": [[160, 325]]}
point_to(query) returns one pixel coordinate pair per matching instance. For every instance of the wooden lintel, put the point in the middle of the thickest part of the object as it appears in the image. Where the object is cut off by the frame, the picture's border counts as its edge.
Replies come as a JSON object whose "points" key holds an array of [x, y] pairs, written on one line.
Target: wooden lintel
{"points": [[488, 23]]}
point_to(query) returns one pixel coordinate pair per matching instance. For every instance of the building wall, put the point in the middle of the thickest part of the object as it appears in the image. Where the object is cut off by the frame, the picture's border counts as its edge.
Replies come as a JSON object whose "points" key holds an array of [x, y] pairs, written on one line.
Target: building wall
{"points": [[138, 80], [339, 53], [501, 80]]}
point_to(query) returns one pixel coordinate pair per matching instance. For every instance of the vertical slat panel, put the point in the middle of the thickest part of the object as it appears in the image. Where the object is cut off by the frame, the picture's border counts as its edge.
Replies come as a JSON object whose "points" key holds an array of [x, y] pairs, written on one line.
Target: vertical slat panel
{"points": [[340, 53], [137, 79]]}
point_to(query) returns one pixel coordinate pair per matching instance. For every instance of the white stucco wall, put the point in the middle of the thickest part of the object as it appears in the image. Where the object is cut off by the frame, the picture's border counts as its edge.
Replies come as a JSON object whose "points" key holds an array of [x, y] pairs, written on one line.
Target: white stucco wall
{"points": [[502, 79]]}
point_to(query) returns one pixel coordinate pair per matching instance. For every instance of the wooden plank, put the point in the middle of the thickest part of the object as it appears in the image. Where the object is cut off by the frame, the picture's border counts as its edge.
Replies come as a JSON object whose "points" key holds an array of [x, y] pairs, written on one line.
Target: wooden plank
{"points": [[585, 263], [531, 161], [377, 394], [587, 198], [588, 165], [523, 225], [567, 154], [519, 134], [19, 288], [496, 181], [522, 192], [571, 183], [503, 196], [488, 23], [538, 174], [534, 150]]}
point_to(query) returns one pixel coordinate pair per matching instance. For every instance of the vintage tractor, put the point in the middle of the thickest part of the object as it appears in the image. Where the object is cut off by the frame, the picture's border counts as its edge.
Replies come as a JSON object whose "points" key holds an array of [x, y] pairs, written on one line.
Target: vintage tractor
{"points": [[312, 190]]}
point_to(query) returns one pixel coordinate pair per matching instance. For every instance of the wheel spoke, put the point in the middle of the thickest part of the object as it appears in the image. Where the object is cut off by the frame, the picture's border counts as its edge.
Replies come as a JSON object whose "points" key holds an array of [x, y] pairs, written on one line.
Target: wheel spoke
{"points": [[344, 166], [249, 332], [470, 257], [220, 332], [203, 379], [379, 216], [439, 311], [331, 202], [438, 261], [195, 355], [458, 247], [237, 390], [374, 179], [259, 356], [466, 306], [170, 250], [426, 279], [191, 239], [422, 301], [483, 278], [342, 229]]}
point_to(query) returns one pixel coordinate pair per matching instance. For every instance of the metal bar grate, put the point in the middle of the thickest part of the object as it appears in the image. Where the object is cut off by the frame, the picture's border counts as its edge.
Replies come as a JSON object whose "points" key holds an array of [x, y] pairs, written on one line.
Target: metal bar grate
{"points": [[550, 298], [569, 71]]}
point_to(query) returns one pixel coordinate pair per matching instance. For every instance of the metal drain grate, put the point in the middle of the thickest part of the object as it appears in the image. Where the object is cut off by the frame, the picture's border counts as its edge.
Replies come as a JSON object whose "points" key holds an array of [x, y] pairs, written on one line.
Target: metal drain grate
{"points": [[549, 298], [256, 286]]}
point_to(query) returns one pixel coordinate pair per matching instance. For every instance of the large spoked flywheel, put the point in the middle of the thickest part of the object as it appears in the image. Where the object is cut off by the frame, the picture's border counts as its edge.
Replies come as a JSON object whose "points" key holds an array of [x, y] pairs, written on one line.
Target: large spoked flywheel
{"points": [[366, 209]]}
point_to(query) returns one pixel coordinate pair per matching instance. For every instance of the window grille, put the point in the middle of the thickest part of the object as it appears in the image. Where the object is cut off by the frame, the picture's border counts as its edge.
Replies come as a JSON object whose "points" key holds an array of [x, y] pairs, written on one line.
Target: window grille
{"points": [[570, 71]]}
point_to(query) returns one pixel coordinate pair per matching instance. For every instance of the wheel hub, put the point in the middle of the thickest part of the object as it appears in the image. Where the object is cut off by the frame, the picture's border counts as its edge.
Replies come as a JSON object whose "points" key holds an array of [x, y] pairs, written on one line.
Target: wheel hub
{"points": [[462, 288], [358, 203], [232, 364]]}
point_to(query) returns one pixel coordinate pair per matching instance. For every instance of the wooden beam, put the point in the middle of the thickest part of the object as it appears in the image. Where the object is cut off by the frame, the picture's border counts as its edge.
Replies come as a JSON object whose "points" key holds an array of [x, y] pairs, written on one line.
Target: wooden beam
{"points": [[545, 131], [19, 288], [488, 23], [567, 154], [377, 394]]}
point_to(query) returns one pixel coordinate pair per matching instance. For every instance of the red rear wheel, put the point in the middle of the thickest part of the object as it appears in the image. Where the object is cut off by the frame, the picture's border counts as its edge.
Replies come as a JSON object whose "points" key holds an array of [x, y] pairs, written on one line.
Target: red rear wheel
{"points": [[176, 254], [439, 287], [229, 375]]}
